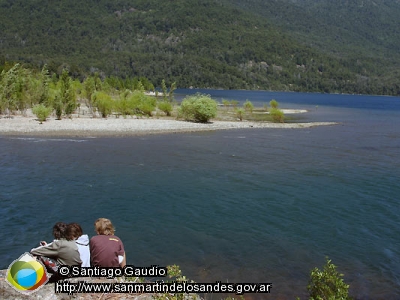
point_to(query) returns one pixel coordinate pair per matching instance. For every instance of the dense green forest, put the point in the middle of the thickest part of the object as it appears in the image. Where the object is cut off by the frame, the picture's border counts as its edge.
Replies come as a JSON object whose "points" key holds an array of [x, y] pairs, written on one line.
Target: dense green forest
{"points": [[249, 44], [346, 28]]}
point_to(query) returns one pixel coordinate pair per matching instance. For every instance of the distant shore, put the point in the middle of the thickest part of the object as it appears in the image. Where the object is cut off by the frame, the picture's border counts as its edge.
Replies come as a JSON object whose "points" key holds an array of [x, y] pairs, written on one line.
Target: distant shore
{"points": [[85, 126]]}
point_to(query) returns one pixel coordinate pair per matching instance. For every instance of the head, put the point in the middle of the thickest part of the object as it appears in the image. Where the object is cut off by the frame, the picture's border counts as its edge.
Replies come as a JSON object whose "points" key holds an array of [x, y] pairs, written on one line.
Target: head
{"points": [[74, 230], [104, 226], [59, 230]]}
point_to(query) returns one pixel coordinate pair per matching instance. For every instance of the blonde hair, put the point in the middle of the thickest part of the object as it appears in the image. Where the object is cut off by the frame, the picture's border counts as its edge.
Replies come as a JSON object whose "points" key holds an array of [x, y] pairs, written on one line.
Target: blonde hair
{"points": [[104, 226]]}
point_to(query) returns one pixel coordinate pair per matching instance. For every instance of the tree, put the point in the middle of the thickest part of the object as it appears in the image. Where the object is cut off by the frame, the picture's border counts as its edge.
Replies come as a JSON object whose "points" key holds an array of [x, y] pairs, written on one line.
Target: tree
{"points": [[164, 89], [122, 104], [37, 88], [44, 80], [104, 103], [327, 284], [89, 88], [11, 89], [171, 92], [67, 97], [58, 107], [199, 108]]}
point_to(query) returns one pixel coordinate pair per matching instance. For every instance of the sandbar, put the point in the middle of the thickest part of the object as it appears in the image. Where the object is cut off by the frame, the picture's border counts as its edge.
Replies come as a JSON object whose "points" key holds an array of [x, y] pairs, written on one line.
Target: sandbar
{"points": [[96, 127]]}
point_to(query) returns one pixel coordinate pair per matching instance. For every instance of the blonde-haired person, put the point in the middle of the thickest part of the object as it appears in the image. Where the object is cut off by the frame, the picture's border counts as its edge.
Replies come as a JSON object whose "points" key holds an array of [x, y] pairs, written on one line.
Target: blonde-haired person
{"points": [[106, 249]]}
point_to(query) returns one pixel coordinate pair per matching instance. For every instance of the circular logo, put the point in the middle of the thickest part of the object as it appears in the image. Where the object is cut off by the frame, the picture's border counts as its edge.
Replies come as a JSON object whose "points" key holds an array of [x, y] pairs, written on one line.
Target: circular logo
{"points": [[26, 274]]}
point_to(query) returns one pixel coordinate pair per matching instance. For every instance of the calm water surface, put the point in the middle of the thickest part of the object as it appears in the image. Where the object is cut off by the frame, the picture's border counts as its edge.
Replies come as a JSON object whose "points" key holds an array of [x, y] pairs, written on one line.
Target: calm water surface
{"points": [[255, 205]]}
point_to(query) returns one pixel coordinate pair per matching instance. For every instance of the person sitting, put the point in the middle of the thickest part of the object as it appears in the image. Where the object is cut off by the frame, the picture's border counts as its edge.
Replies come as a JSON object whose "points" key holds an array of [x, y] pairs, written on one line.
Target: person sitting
{"points": [[106, 249], [59, 252], [75, 233]]}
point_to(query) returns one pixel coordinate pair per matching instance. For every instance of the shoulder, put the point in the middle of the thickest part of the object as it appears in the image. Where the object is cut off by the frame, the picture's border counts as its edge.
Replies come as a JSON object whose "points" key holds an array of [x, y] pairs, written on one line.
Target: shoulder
{"points": [[114, 238], [102, 237], [83, 240], [98, 239], [66, 243]]}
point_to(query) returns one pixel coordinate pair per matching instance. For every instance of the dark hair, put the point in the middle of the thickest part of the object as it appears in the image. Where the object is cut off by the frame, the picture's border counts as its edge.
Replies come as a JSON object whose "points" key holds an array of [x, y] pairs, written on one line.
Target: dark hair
{"points": [[59, 230], [74, 230]]}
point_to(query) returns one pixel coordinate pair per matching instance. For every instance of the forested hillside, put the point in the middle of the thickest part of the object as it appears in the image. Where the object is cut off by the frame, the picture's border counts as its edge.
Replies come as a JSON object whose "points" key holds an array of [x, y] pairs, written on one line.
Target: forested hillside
{"points": [[216, 44], [367, 27]]}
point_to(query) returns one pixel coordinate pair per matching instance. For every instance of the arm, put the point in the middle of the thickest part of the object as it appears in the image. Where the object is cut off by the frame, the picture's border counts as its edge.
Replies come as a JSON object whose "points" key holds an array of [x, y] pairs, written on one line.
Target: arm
{"points": [[50, 250], [122, 260]]}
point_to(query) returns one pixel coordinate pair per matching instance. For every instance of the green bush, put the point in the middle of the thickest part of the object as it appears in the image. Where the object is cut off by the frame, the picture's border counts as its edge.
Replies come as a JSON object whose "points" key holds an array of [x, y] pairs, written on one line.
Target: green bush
{"points": [[175, 275], [165, 107], [277, 115], [248, 106], [273, 103], [327, 284], [121, 105], [103, 102], [240, 113], [199, 108], [41, 112], [141, 104]]}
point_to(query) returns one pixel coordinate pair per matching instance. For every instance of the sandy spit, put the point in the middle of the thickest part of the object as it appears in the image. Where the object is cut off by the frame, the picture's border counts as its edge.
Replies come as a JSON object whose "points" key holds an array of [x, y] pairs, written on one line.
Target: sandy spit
{"points": [[125, 127]]}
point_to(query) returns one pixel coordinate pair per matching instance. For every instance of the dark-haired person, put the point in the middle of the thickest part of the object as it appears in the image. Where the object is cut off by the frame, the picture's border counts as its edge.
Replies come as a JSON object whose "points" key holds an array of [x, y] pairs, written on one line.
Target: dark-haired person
{"points": [[61, 251], [75, 233], [106, 249]]}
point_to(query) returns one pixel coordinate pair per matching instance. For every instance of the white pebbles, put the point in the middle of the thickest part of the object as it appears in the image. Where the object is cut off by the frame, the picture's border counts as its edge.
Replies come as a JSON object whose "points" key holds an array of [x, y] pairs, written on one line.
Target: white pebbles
{"points": [[19, 125]]}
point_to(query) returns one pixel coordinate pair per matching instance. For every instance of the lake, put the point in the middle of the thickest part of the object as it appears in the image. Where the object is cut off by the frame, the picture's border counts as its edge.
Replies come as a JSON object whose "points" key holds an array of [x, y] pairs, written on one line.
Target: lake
{"points": [[250, 205]]}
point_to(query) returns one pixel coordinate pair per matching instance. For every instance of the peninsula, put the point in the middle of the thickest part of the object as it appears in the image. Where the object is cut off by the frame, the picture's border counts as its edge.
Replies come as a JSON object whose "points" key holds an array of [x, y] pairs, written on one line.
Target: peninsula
{"points": [[85, 126]]}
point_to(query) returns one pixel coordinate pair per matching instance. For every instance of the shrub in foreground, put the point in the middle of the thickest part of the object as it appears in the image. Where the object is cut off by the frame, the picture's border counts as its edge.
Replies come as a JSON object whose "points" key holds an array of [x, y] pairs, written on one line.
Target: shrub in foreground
{"points": [[199, 108], [327, 284]]}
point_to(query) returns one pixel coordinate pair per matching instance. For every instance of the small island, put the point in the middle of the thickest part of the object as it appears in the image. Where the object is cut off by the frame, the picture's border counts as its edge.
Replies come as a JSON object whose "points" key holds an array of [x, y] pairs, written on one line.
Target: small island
{"points": [[83, 125], [33, 103]]}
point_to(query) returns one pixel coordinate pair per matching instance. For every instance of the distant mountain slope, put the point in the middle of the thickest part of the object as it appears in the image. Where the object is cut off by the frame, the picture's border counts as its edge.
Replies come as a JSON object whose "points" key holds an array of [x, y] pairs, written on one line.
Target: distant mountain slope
{"points": [[370, 27], [195, 43]]}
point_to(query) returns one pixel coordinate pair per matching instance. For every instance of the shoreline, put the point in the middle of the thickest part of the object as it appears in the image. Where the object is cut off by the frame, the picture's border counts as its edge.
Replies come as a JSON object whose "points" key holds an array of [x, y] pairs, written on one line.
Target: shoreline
{"points": [[98, 127]]}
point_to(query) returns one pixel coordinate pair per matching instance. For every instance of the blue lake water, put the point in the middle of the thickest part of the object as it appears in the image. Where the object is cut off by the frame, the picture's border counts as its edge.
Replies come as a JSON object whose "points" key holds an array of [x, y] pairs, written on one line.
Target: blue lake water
{"points": [[253, 205]]}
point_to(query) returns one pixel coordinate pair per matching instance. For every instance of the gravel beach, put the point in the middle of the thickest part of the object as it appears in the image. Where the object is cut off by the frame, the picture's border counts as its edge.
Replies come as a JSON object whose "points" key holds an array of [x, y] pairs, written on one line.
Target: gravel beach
{"points": [[84, 126]]}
